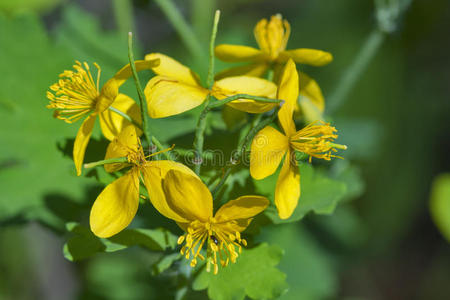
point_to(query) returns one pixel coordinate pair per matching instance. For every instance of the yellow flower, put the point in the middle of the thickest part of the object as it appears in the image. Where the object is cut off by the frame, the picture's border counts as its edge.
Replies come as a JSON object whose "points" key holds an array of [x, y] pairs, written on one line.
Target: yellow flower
{"points": [[270, 146], [190, 204], [272, 37], [177, 89], [117, 204], [76, 95]]}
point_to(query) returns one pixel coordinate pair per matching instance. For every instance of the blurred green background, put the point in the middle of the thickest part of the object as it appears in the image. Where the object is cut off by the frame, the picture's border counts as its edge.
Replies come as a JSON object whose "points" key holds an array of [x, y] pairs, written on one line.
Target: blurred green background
{"points": [[394, 117]]}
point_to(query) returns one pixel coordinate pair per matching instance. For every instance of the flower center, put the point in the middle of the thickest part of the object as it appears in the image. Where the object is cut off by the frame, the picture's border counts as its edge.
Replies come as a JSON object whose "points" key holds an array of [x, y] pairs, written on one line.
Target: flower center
{"points": [[317, 141], [221, 240], [75, 93]]}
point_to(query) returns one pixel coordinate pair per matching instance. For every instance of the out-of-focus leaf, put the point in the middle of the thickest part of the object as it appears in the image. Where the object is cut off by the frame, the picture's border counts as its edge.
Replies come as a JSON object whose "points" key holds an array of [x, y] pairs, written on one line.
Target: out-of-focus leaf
{"points": [[84, 243], [153, 239], [253, 275], [345, 227], [308, 267], [165, 262], [344, 171], [28, 5], [319, 193], [30, 165], [440, 204], [362, 137]]}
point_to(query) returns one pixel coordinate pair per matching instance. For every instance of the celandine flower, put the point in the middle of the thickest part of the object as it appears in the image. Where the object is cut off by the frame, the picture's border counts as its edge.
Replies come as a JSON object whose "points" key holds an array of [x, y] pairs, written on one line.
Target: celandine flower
{"points": [[190, 204], [272, 37], [76, 95], [177, 89], [117, 204], [270, 146]]}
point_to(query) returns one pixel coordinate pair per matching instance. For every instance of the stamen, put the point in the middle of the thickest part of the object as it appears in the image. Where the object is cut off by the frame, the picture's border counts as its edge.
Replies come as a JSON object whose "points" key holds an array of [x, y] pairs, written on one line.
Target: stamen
{"points": [[316, 140], [74, 94], [221, 243]]}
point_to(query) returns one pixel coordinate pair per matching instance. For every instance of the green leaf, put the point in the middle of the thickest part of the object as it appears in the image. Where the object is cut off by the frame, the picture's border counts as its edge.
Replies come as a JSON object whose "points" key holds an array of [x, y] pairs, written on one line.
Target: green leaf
{"points": [[31, 167], [440, 204], [28, 5], [84, 243], [165, 262], [344, 171], [319, 193], [253, 275], [308, 267], [153, 239]]}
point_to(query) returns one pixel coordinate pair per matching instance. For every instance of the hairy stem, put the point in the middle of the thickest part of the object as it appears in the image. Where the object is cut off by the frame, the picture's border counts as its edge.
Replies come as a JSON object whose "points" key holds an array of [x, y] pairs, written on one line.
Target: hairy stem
{"points": [[201, 123], [105, 161], [241, 151], [137, 125], [141, 95]]}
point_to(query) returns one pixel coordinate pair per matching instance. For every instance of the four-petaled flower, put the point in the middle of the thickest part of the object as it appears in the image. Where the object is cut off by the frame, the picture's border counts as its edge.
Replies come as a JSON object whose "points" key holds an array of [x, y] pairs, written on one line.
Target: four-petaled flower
{"points": [[117, 204], [190, 204], [77, 95], [270, 146], [272, 37]]}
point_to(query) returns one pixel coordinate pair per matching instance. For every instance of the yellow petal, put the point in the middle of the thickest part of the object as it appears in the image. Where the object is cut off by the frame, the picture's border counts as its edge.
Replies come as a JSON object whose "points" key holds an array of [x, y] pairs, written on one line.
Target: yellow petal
{"points": [[267, 149], [306, 56], [167, 97], [110, 89], [169, 67], [123, 74], [124, 144], [116, 206], [312, 103], [244, 207], [82, 140], [237, 53], [108, 94], [254, 70], [112, 123], [288, 91], [287, 190], [246, 85], [154, 172], [188, 196]]}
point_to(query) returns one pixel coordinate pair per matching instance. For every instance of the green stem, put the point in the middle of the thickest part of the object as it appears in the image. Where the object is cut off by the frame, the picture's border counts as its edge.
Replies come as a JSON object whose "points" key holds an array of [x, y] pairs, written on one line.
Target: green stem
{"points": [[105, 161], [161, 147], [219, 103], [201, 123], [241, 150], [154, 139], [355, 70], [125, 116], [200, 136], [123, 12], [210, 78], [142, 101], [183, 29]]}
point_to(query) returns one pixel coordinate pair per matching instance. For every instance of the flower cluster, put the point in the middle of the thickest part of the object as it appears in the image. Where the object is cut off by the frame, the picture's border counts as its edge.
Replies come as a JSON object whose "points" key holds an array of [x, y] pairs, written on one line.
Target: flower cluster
{"points": [[269, 85]]}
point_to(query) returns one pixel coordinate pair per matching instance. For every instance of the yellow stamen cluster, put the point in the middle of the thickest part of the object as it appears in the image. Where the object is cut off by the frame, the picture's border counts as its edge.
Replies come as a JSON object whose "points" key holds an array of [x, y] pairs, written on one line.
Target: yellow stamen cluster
{"points": [[75, 93], [317, 141], [272, 36], [221, 241]]}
